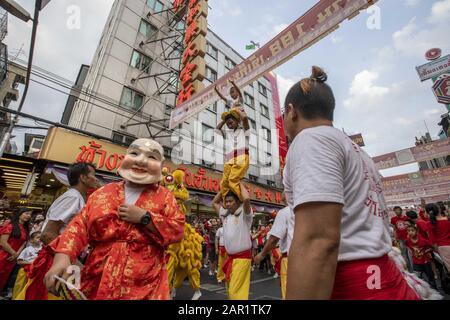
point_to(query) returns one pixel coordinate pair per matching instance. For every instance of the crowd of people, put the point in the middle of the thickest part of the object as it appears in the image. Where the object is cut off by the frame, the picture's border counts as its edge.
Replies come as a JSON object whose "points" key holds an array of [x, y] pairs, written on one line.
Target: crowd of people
{"points": [[132, 239]]}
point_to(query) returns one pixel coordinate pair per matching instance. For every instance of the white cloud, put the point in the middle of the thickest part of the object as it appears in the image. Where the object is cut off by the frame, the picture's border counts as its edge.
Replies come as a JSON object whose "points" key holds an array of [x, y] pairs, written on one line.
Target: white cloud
{"points": [[284, 84], [364, 94], [432, 112], [224, 8], [336, 39], [440, 12], [277, 29]]}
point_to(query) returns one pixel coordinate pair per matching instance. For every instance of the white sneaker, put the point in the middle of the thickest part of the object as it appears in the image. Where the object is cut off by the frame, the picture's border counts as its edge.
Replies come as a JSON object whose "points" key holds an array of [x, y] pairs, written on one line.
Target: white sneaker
{"points": [[173, 293], [275, 275], [210, 273], [253, 268], [197, 295], [219, 281], [215, 271]]}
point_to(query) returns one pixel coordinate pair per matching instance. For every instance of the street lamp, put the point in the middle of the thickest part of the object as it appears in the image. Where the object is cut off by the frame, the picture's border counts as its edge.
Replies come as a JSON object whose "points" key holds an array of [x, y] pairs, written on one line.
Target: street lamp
{"points": [[15, 9]]}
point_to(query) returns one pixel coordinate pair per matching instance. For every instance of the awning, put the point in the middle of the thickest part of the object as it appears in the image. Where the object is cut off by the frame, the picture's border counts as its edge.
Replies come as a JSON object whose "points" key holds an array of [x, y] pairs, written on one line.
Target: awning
{"points": [[60, 173]]}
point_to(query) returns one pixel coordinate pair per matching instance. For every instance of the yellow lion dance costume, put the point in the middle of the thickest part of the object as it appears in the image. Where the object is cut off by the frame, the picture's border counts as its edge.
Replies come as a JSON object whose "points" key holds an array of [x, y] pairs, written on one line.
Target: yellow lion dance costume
{"points": [[185, 257]]}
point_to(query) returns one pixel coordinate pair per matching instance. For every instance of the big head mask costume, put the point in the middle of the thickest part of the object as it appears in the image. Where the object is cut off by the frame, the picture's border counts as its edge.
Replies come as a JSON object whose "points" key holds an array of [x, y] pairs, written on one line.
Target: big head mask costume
{"points": [[143, 162]]}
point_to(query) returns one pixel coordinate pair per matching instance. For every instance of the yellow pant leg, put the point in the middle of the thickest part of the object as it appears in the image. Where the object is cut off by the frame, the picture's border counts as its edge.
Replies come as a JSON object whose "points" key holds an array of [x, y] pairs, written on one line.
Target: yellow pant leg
{"points": [[170, 270], [180, 275], [239, 285], [194, 279], [238, 171], [19, 285], [283, 276], [224, 186], [220, 274]]}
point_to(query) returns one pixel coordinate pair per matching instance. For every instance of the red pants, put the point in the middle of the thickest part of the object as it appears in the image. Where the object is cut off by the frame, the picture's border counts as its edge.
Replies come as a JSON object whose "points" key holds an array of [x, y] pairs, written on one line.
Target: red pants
{"points": [[371, 279]]}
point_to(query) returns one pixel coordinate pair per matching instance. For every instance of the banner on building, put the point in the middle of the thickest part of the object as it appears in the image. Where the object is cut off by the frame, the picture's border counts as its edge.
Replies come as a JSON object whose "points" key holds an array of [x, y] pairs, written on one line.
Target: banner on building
{"points": [[316, 23], [417, 201], [279, 124], [423, 152], [420, 179]]}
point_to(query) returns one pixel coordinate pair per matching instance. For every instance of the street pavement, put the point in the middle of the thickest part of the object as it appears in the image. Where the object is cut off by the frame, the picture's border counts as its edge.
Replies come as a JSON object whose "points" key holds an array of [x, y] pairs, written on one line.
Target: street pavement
{"points": [[263, 286]]}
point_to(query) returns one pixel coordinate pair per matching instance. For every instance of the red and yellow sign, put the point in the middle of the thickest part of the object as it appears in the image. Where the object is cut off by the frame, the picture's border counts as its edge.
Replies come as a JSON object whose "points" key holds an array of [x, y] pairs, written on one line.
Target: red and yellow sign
{"points": [[64, 146], [193, 62]]}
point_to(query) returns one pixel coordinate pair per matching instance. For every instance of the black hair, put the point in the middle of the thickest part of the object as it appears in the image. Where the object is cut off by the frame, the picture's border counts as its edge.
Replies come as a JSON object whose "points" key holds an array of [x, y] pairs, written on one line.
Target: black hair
{"points": [[16, 232], [397, 207], [441, 206], [412, 214], [34, 234], [76, 170], [433, 210], [312, 97], [233, 195]]}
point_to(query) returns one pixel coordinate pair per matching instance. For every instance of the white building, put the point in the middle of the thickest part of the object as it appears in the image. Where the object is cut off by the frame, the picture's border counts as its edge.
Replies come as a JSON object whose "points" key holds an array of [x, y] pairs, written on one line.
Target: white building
{"points": [[130, 88]]}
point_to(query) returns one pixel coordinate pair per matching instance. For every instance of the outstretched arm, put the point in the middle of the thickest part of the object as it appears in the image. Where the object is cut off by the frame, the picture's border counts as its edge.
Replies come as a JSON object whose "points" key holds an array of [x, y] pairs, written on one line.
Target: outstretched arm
{"points": [[245, 199], [219, 94], [241, 98], [217, 202]]}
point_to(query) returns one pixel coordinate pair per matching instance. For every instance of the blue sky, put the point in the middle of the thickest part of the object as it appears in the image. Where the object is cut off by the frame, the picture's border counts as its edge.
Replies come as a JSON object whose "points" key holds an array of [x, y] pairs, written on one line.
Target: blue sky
{"points": [[372, 72]]}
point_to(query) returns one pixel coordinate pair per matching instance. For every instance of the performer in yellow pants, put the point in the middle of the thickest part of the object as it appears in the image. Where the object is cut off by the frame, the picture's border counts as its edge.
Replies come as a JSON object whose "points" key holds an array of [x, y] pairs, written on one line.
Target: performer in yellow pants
{"points": [[237, 158], [20, 283], [237, 218], [222, 258]]}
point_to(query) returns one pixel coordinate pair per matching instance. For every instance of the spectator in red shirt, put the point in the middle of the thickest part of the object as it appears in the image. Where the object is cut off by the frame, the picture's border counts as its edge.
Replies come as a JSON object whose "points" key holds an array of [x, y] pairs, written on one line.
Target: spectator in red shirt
{"points": [[421, 254], [439, 232], [422, 225], [400, 223]]}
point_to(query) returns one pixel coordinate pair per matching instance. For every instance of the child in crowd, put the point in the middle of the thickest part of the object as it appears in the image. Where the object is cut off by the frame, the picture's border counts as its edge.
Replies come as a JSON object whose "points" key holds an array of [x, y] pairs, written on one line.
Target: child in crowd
{"points": [[421, 254]]}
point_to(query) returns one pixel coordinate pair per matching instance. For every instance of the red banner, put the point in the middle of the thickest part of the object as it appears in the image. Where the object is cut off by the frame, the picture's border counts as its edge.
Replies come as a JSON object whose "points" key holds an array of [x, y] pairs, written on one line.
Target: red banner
{"points": [[282, 141], [316, 23], [423, 152]]}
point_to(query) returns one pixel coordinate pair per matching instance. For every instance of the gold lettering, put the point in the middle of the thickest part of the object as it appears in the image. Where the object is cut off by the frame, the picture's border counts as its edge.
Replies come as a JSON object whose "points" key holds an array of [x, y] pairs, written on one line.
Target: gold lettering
{"points": [[300, 30], [275, 48], [321, 17], [287, 39]]}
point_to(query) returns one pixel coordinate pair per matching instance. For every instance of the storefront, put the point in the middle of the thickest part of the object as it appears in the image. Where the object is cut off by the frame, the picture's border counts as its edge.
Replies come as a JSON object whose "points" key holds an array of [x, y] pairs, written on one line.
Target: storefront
{"points": [[62, 148]]}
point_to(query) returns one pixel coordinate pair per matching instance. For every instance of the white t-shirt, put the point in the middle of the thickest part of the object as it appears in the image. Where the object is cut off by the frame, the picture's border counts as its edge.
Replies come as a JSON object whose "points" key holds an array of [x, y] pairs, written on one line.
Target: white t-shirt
{"points": [[29, 254], [219, 235], [283, 228], [132, 194], [324, 165], [236, 230], [65, 208]]}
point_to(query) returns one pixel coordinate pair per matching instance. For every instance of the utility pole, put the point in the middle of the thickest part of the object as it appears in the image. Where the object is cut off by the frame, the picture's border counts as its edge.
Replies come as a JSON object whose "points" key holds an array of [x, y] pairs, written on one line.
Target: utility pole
{"points": [[15, 9]]}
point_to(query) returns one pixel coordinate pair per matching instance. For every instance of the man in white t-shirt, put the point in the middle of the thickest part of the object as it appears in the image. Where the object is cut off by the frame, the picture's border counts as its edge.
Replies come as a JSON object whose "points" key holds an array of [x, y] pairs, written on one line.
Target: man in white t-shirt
{"points": [[341, 235], [81, 178], [221, 253], [237, 221], [282, 231]]}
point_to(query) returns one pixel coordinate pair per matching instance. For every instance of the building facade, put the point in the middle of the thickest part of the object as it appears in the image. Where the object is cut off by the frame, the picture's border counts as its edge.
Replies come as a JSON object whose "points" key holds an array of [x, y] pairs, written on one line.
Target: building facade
{"points": [[131, 86]]}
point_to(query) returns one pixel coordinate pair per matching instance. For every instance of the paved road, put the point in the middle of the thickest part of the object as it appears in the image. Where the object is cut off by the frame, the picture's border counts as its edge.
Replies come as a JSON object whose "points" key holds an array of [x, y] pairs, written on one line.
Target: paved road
{"points": [[262, 287]]}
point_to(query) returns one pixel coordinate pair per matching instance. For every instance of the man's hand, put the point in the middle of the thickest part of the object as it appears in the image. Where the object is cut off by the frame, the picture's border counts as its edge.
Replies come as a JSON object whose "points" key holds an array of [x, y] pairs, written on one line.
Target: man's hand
{"points": [[131, 213], [258, 258], [59, 267]]}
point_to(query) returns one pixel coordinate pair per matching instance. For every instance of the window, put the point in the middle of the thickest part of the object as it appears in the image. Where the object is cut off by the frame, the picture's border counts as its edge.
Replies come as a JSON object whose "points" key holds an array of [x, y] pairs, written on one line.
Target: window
{"points": [[168, 110], [207, 133], [229, 64], [248, 99], [267, 134], [156, 5], [147, 29], [262, 89], [213, 108], [131, 99], [211, 75], [167, 152], [253, 153], [268, 160], [252, 123], [253, 178], [212, 51], [264, 110], [122, 138], [270, 183], [141, 61]]}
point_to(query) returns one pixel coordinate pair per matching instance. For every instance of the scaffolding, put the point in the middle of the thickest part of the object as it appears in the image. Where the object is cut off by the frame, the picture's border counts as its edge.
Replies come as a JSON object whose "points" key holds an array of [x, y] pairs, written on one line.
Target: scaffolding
{"points": [[170, 36]]}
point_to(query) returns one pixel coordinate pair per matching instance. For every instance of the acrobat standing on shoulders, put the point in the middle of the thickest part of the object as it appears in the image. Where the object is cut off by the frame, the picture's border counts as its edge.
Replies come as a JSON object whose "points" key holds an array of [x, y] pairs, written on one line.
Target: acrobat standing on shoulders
{"points": [[237, 100], [237, 158]]}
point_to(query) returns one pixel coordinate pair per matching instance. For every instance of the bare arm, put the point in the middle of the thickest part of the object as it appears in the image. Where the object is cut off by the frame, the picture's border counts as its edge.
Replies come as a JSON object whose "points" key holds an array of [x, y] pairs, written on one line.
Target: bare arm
{"points": [[51, 231], [220, 95], [241, 98], [271, 244], [246, 199], [217, 202], [244, 118], [5, 245], [314, 251]]}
